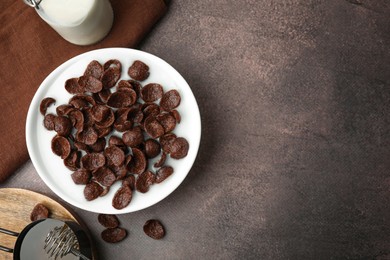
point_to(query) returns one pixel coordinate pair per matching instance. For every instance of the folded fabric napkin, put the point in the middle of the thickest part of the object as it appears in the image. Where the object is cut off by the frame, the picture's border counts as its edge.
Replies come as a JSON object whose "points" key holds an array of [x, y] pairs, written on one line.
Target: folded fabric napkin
{"points": [[30, 49]]}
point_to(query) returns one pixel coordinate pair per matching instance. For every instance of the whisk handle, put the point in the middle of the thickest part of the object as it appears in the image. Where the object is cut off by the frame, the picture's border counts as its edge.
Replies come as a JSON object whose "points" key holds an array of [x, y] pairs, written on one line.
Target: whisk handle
{"points": [[6, 249], [78, 254], [11, 233]]}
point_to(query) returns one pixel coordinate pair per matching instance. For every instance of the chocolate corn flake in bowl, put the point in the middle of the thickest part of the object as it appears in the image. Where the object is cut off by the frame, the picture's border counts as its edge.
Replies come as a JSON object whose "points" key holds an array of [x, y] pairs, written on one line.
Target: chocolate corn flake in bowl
{"points": [[113, 130]]}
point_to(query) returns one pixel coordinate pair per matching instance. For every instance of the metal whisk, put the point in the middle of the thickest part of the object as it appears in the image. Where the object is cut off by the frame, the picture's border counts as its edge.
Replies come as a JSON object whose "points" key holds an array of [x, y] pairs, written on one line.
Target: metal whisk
{"points": [[61, 241]]}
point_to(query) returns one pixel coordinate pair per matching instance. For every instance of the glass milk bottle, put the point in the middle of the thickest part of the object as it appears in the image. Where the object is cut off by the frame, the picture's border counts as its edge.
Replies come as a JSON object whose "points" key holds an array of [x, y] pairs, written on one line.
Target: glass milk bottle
{"points": [[80, 22]]}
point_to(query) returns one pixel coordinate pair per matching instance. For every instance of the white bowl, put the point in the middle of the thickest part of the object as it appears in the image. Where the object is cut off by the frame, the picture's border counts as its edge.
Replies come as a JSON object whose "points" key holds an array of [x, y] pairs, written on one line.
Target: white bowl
{"points": [[51, 167]]}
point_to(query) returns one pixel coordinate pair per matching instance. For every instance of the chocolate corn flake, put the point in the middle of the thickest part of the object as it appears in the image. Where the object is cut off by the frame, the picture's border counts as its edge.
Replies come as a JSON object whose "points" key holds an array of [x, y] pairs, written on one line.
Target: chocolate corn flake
{"points": [[100, 112], [92, 191], [45, 103], [102, 96], [104, 176], [152, 148], [131, 92], [77, 119], [102, 132], [78, 101], [176, 115], [62, 125], [73, 87], [170, 100], [129, 181], [94, 69], [128, 159], [167, 121], [133, 137], [135, 115], [161, 161], [112, 63], [121, 99], [122, 126], [154, 229], [98, 146], [106, 189], [108, 220], [114, 155], [81, 176], [136, 86], [138, 70], [48, 122], [119, 171], [122, 197], [163, 173], [144, 181], [93, 161], [118, 142], [40, 211], [60, 146], [110, 77], [88, 136], [72, 162], [150, 109], [166, 142], [64, 109], [138, 163], [82, 147], [124, 84], [107, 121], [151, 92], [114, 235], [153, 128], [88, 119], [179, 148], [81, 101]]}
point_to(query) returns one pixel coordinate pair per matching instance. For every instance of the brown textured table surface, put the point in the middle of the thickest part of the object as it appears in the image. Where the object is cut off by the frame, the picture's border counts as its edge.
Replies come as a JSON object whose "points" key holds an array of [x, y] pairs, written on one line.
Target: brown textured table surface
{"points": [[294, 160]]}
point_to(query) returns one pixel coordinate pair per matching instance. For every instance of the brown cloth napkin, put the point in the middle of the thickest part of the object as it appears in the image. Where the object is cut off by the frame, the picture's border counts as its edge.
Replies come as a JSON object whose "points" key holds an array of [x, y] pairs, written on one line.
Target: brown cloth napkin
{"points": [[30, 49]]}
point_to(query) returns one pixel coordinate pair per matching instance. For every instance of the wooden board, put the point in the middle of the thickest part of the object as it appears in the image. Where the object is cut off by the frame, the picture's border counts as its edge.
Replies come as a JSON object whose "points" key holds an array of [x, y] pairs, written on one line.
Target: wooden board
{"points": [[15, 208]]}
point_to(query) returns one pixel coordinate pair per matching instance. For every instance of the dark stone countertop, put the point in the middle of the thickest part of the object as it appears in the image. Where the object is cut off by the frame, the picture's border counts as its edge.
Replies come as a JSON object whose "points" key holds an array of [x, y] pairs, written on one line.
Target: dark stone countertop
{"points": [[294, 161]]}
